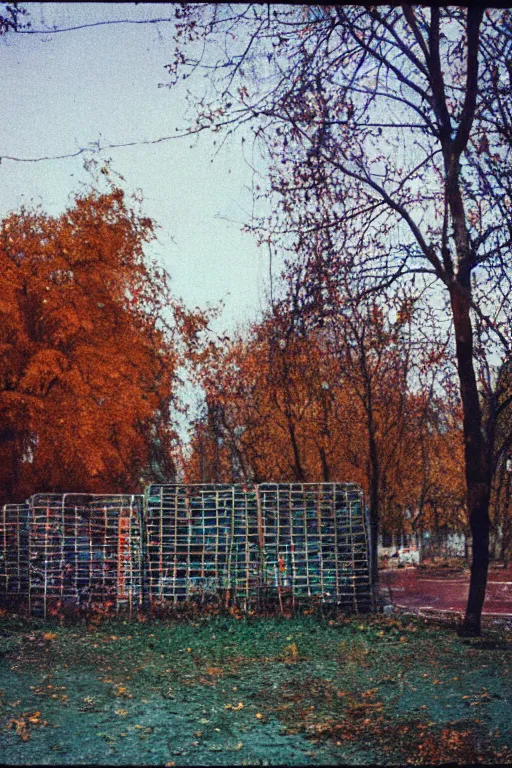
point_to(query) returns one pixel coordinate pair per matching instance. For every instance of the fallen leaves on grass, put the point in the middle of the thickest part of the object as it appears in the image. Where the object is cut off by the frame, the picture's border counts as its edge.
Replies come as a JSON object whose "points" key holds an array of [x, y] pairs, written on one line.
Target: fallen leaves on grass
{"points": [[108, 737], [363, 709], [369, 693], [291, 653], [305, 696], [354, 653], [423, 742], [21, 724], [21, 728], [457, 745], [235, 707], [122, 692], [89, 704]]}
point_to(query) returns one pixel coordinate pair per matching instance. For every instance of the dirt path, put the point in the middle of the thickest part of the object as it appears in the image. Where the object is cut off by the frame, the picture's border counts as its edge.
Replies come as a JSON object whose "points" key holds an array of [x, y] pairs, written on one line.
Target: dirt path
{"points": [[422, 591]]}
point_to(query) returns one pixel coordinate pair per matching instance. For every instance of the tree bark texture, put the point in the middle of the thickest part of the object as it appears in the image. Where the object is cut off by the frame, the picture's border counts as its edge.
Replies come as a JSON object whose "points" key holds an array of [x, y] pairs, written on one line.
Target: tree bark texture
{"points": [[374, 512], [478, 476]]}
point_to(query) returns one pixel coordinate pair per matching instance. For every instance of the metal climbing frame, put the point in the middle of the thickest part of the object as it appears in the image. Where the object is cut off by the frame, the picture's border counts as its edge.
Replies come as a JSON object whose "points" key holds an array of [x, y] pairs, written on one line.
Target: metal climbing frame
{"points": [[200, 539], [303, 539], [184, 542], [14, 552], [75, 550]]}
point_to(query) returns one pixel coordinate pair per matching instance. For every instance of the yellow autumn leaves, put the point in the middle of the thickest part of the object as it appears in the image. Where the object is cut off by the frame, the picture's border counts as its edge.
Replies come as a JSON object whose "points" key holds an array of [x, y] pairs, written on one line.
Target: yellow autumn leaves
{"points": [[22, 724], [84, 356]]}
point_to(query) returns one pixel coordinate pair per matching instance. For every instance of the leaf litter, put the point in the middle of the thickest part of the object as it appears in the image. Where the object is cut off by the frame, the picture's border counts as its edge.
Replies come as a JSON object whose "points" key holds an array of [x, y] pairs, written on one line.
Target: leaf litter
{"points": [[302, 691]]}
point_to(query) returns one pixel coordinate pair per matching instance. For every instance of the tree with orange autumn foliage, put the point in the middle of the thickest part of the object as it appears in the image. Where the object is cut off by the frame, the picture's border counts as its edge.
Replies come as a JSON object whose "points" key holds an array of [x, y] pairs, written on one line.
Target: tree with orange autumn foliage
{"points": [[432, 470], [263, 408], [88, 353], [288, 401]]}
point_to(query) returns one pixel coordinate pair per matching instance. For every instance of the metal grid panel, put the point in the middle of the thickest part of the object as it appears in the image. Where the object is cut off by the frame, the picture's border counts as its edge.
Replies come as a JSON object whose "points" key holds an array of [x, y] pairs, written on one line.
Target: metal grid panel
{"points": [[83, 549], [200, 539], [196, 542], [315, 541], [14, 551], [303, 539]]}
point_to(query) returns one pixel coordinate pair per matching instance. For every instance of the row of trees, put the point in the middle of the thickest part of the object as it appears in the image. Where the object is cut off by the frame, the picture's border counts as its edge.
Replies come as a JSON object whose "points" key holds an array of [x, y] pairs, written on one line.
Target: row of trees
{"points": [[366, 395], [89, 351], [287, 407], [327, 387], [358, 395]]}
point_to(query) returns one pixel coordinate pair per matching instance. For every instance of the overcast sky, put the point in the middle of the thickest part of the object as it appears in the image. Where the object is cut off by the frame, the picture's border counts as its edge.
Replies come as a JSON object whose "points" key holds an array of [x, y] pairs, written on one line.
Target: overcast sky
{"points": [[62, 92]]}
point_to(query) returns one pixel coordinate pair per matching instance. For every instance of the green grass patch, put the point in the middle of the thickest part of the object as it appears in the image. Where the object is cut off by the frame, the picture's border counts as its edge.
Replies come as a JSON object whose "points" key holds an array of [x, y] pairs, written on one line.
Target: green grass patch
{"points": [[225, 690]]}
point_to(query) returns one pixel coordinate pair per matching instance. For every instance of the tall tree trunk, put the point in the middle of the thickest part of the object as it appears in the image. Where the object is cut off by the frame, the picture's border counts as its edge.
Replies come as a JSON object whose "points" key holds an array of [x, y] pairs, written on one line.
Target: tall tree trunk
{"points": [[505, 531], [478, 475], [9, 445], [498, 517], [373, 484], [298, 471], [326, 472]]}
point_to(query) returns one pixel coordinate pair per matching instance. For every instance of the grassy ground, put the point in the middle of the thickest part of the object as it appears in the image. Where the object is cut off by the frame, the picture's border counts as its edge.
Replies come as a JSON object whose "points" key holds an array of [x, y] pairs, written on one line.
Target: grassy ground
{"points": [[258, 691]]}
